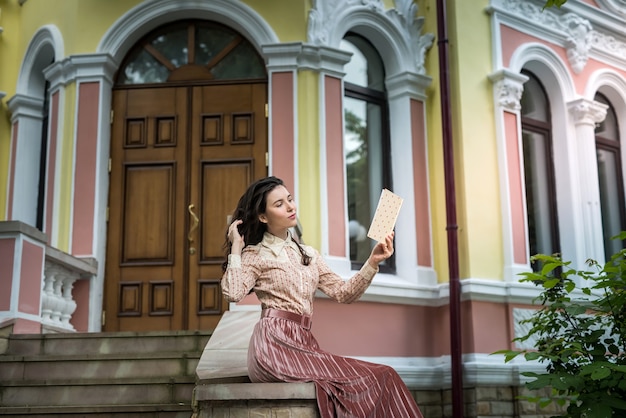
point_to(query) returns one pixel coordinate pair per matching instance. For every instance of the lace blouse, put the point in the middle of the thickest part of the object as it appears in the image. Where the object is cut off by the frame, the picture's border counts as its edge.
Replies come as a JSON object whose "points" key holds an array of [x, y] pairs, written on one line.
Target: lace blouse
{"points": [[273, 269]]}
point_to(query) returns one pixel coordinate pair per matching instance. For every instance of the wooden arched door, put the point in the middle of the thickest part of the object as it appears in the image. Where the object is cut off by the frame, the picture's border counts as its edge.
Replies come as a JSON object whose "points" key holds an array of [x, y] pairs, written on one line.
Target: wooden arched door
{"points": [[187, 137]]}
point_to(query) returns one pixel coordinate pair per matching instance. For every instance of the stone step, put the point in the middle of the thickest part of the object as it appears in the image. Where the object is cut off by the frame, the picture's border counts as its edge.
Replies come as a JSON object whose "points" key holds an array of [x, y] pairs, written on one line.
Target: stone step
{"points": [[100, 411], [107, 343], [128, 374], [174, 391], [109, 366]]}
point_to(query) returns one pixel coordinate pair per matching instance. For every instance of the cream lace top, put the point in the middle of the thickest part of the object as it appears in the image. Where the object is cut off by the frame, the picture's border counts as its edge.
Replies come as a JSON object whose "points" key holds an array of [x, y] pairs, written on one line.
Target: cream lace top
{"points": [[273, 269]]}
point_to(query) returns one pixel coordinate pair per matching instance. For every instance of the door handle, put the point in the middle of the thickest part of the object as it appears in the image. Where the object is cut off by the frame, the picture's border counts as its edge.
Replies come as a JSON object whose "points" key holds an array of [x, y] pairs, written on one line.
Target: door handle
{"points": [[192, 228]]}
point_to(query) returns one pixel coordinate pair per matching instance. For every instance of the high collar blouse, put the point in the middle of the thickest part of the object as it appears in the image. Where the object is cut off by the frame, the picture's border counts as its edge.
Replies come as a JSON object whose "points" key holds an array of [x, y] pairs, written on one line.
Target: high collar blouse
{"points": [[273, 269]]}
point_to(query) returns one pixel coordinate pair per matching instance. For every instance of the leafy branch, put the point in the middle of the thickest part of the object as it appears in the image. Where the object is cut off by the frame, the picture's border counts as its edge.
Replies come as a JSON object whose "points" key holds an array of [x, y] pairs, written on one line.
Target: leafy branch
{"points": [[579, 334]]}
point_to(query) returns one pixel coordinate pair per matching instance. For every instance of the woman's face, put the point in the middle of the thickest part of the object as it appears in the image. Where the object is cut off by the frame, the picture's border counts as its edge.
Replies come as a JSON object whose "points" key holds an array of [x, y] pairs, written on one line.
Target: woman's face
{"points": [[280, 212]]}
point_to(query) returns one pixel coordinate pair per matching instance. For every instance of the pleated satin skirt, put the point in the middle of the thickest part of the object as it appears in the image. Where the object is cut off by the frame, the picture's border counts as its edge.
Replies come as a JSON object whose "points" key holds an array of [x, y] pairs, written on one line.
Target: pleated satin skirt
{"points": [[282, 350]]}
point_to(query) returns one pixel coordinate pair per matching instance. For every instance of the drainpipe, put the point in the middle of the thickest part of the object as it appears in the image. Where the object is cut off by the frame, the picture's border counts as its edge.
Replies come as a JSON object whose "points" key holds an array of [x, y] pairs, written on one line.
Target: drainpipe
{"points": [[456, 354]]}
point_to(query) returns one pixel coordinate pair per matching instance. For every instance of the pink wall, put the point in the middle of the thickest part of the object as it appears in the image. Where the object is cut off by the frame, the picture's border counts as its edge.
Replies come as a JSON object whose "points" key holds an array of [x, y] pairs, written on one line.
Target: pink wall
{"points": [[420, 184], [85, 174], [486, 327], [25, 326], [282, 114], [513, 39], [12, 171], [30, 278], [380, 329], [515, 188], [7, 256], [51, 166], [335, 166], [80, 318]]}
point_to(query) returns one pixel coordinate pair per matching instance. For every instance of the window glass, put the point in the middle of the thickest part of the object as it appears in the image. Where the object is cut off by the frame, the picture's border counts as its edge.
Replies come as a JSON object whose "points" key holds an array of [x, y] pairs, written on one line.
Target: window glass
{"points": [[143, 68], [539, 180], [534, 101], [538, 198], [173, 46], [610, 179], [210, 41], [366, 144], [239, 64], [212, 52]]}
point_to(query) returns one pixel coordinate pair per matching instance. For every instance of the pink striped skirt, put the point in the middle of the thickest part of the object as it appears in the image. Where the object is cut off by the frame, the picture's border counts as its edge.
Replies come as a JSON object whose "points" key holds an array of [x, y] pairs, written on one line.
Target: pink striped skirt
{"points": [[283, 349]]}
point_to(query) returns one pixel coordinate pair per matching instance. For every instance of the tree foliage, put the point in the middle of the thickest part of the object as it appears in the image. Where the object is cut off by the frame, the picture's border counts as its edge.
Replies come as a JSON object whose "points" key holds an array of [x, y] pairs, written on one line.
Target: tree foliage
{"points": [[554, 3], [580, 335]]}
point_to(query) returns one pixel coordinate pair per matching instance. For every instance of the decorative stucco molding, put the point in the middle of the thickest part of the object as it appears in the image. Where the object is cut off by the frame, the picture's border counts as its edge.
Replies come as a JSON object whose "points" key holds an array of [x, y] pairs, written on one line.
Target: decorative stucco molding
{"points": [[329, 16], [587, 112], [575, 33], [508, 88], [615, 6], [522, 328]]}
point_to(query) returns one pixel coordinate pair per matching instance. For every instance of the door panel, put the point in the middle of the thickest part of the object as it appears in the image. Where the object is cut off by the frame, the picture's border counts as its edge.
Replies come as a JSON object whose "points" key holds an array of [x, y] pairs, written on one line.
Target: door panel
{"points": [[145, 249], [177, 154], [229, 124]]}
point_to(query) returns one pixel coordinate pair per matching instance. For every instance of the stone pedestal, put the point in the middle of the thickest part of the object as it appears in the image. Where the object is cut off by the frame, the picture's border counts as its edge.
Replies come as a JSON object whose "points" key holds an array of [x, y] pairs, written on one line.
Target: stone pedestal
{"points": [[223, 388]]}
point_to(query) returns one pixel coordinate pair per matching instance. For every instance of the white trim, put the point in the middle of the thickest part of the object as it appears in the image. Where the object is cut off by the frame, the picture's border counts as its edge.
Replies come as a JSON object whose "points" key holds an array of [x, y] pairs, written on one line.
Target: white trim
{"points": [[150, 14], [387, 288], [396, 35], [479, 369], [46, 46], [584, 32], [613, 86], [507, 92], [27, 112]]}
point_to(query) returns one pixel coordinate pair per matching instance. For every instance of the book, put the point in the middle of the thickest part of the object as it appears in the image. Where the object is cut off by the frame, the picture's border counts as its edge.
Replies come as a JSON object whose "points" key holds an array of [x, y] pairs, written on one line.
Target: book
{"points": [[385, 216]]}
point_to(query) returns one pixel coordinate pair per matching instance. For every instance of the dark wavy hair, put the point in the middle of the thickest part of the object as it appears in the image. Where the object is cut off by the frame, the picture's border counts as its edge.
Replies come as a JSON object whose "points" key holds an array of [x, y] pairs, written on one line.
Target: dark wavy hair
{"points": [[252, 204]]}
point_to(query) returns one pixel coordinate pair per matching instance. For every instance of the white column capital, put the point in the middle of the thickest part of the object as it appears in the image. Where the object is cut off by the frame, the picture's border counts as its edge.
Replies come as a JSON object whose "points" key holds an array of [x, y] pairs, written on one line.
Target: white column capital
{"points": [[587, 112], [508, 88]]}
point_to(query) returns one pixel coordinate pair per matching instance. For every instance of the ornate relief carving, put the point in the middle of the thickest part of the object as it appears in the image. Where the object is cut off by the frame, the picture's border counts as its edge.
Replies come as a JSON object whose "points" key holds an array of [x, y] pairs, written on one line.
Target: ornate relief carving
{"points": [[521, 329], [616, 6], [608, 44], [327, 14], [509, 94], [587, 112], [508, 87], [578, 41], [578, 33]]}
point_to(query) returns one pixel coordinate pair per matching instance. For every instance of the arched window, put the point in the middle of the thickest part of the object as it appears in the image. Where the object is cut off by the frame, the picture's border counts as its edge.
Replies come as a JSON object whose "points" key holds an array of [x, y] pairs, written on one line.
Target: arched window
{"points": [[366, 143], [610, 179], [43, 160], [197, 50], [543, 233]]}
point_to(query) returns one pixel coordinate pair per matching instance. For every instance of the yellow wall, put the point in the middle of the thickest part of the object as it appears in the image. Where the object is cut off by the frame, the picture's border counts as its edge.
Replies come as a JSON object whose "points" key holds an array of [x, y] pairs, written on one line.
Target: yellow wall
{"points": [[477, 176], [67, 168], [428, 10], [10, 52], [83, 23], [474, 146], [309, 156]]}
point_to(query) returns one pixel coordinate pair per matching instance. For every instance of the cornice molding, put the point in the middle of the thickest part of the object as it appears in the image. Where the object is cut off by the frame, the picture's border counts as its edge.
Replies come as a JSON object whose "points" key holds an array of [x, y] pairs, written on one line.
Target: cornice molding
{"points": [[82, 67], [581, 37], [329, 19], [21, 105]]}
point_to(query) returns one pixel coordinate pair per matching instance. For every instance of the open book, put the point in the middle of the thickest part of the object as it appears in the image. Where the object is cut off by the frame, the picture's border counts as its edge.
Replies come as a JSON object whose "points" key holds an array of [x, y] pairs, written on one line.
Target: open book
{"points": [[385, 216]]}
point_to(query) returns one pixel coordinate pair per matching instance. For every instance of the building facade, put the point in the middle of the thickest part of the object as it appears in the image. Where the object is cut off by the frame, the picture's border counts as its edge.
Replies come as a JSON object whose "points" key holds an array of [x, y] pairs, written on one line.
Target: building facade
{"points": [[128, 130]]}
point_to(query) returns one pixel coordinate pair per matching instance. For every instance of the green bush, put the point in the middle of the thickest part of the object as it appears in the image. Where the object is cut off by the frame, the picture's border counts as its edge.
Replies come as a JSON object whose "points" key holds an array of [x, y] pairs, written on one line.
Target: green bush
{"points": [[580, 333]]}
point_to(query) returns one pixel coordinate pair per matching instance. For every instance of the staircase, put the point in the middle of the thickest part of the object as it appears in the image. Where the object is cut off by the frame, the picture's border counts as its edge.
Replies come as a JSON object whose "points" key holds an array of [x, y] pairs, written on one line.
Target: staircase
{"points": [[94, 375]]}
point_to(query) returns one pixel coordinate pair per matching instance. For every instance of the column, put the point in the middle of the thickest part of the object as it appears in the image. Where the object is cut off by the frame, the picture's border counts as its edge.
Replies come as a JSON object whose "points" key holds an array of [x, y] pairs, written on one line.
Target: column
{"points": [[586, 114], [507, 90]]}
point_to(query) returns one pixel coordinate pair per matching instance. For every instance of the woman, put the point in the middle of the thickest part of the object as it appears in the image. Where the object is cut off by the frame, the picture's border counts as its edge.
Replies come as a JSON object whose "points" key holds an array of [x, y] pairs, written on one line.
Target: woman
{"points": [[263, 257]]}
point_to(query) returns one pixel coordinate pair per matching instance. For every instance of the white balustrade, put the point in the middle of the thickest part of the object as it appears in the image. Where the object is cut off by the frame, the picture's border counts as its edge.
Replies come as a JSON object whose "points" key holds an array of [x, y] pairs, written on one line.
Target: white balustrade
{"points": [[61, 272]]}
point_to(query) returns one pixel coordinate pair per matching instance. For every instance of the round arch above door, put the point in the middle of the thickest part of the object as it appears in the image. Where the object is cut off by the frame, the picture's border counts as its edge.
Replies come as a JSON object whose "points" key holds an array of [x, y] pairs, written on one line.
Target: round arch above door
{"points": [[188, 134]]}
